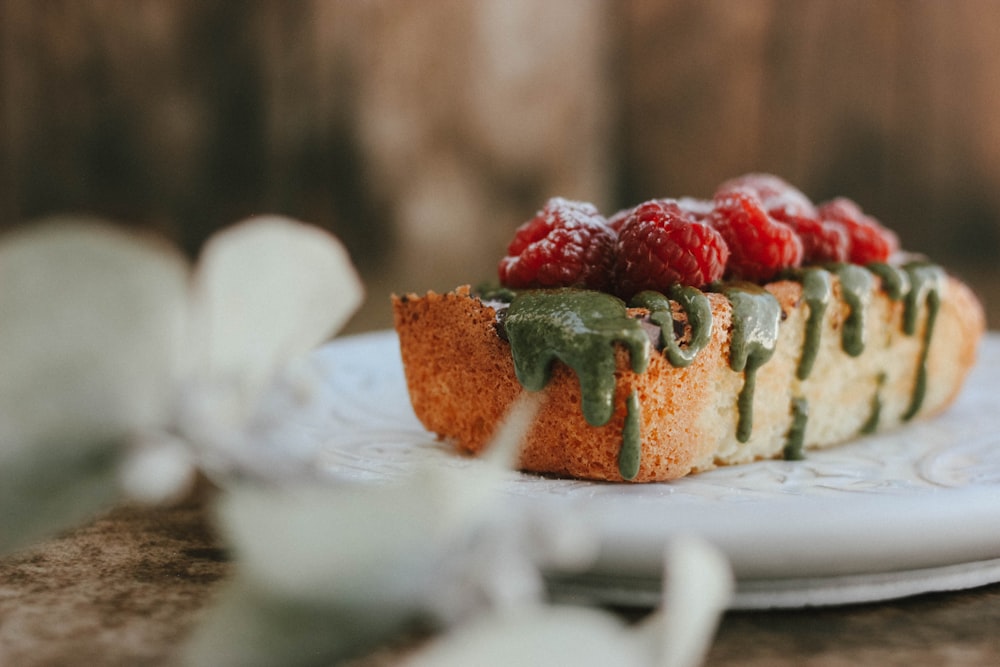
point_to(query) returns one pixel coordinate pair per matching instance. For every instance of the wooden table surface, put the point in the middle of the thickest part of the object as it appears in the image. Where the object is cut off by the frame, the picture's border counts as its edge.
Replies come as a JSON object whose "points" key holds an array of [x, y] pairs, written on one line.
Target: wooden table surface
{"points": [[127, 588]]}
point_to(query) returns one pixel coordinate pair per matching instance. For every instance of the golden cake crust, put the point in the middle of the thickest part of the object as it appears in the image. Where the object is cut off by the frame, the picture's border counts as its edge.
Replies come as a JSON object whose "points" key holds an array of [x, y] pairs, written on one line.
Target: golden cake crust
{"points": [[460, 375]]}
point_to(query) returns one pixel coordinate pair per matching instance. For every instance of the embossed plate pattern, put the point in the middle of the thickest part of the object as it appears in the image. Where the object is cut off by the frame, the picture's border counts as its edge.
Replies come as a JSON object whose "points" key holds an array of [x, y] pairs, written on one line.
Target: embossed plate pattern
{"points": [[910, 511]]}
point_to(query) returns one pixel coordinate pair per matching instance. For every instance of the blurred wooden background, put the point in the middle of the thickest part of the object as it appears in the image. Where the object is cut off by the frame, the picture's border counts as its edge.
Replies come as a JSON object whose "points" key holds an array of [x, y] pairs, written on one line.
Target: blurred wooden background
{"points": [[423, 132]]}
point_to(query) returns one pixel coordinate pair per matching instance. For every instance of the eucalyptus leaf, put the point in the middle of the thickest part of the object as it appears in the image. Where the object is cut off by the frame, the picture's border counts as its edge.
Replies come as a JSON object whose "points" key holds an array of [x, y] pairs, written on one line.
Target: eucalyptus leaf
{"points": [[326, 570], [91, 318], [367, 544], [249, 628], [91, 321], [267, 290], [697, 586], [50, 487], [536, 635]]}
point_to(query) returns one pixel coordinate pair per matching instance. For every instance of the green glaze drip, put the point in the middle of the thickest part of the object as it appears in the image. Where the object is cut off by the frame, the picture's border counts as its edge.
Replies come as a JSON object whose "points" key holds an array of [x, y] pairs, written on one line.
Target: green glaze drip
{"points": [[579, 328], [895, 281], [699, 315], [871, 425], [755, 316], [630, 455], [926, 281], [857, 286], [797, 431], [817, 291]]}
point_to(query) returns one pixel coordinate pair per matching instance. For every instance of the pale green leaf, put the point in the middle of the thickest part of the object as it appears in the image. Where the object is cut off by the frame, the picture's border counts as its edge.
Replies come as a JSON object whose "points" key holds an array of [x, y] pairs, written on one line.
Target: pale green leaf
{"points": [[91, 321]]}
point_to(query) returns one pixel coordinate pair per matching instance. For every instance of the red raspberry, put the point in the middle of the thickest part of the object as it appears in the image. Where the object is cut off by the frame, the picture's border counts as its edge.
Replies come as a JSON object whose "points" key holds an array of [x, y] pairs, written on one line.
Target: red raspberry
{"points": [[775, 193], [821, 241], [699, 209], [566, 244], [759, 245], [868, 240], [661, 244]]}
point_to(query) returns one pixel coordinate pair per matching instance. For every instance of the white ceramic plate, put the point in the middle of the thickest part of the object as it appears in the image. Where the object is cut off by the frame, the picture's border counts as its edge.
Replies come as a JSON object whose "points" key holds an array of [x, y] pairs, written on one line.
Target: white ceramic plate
{"points": [[912, 511]]}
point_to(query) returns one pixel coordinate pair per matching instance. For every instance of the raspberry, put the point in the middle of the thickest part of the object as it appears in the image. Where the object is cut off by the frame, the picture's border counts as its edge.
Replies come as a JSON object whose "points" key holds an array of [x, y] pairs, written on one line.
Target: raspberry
{"points": [[566, 244], [775, 193], [661, 244], [699, 209], [759, 245], [868, 240], [821, 241]]}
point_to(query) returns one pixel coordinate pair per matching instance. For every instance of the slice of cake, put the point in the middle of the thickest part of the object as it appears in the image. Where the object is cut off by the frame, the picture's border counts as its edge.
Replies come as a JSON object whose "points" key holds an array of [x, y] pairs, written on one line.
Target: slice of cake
{"points": [[681, 335]]}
